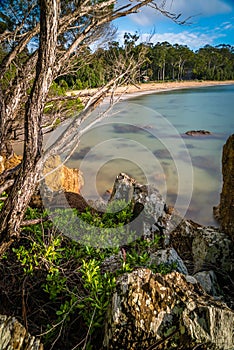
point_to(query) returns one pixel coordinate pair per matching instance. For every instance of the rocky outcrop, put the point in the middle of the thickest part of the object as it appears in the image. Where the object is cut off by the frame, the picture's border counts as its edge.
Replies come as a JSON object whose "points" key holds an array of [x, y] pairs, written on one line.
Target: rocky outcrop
{"points": [[151, 311], [198, 132], [9, 163], [226, 207], [149, 208], [193, 248], [203, 247], [13, 336], [63, 178]]}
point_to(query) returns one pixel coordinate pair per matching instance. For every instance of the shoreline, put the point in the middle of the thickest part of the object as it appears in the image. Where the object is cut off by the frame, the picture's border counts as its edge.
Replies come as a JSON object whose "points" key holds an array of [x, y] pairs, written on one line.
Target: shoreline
{"points": [[157, 87], [129, 91]]}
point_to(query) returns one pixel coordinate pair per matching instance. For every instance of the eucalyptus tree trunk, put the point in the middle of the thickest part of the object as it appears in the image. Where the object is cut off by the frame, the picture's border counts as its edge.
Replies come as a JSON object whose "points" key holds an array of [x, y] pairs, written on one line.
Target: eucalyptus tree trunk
{"points": [[25, 183], [78, 23]]}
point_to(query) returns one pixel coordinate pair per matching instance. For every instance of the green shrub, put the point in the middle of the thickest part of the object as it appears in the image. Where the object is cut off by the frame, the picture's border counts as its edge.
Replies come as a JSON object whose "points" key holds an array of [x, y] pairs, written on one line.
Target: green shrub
{"points": [[72, 276]]}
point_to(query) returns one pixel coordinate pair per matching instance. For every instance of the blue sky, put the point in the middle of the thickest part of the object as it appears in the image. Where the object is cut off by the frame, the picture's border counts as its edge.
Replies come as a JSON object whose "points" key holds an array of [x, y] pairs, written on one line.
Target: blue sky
{"points": [[212, 23]]}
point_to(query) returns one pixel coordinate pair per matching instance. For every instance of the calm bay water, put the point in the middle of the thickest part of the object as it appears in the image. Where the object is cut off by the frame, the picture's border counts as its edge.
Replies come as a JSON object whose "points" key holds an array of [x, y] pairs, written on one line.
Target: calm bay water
{"points": [[145, 137]]}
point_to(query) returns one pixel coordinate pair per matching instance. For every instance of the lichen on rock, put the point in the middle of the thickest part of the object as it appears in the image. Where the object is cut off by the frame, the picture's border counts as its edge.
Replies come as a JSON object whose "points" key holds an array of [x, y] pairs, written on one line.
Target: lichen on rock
{"points": [[14, 336], [165, 312]]}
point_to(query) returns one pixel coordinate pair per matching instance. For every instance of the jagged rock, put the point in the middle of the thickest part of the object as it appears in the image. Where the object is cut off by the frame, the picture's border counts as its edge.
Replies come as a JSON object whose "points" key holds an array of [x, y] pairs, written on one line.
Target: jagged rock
{"points": [[202, 247], [208, 281], [211, 248], [151, 311], [13, 336], [168, 256], [123, 188], [149, 208], [112, 263], [197, 245], [63, 178], [226, 207]]}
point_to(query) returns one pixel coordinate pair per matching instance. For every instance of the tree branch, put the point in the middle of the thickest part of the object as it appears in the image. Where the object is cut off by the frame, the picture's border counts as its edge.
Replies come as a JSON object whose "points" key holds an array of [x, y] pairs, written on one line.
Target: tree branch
{"points": [[34, 221], [6, 185]]}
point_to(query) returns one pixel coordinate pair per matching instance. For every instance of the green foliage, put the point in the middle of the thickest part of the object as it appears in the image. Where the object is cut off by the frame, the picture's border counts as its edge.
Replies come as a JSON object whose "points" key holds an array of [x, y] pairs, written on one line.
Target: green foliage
{"points": [[109, 229], [100, 288], [73, 278], [56, 89], [67, 108], [162, 62]]}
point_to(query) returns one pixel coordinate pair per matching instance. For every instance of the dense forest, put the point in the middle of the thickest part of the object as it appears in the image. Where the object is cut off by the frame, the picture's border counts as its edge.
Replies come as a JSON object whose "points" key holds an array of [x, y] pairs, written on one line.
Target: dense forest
{"points": [[158, 62], [162, 62]]}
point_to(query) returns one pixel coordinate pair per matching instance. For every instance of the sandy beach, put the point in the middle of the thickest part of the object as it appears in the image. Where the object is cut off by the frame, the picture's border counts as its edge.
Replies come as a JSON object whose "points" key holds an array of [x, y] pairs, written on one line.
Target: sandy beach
{"points": [[166, 86], [153, 87]]}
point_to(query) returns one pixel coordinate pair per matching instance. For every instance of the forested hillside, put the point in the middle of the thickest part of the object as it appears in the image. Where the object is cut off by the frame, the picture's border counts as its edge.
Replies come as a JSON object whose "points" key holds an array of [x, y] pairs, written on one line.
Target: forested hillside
{"points": [[162, 61]]}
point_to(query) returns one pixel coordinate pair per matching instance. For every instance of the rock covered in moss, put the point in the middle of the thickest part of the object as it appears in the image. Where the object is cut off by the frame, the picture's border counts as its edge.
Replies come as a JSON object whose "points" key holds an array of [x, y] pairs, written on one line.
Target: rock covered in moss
{"points": [[13, 336], [165, 312]]}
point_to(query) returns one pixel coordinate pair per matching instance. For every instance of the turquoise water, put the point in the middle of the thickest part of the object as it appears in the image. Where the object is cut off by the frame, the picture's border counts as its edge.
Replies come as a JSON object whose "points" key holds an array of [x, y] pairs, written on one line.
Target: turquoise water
{"points": [[145, 137]]}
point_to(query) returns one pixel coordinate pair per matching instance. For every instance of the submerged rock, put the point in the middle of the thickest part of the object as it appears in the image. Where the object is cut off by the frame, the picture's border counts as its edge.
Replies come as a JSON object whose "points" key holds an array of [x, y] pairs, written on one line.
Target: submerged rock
{"points": [[197, 132], [13, 336], [151, 311]]}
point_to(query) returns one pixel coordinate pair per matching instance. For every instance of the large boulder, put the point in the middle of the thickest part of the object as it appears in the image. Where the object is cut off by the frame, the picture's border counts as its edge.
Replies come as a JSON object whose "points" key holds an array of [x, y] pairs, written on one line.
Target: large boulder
{"points": [[14, 336], [151, 311], [149, 208], [58, 177], [226, 207], [208, 281]]}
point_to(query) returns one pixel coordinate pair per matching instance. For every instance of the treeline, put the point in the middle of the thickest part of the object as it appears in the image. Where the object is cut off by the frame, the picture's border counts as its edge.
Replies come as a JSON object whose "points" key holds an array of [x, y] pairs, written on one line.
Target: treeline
{"points": [[161, 62]]}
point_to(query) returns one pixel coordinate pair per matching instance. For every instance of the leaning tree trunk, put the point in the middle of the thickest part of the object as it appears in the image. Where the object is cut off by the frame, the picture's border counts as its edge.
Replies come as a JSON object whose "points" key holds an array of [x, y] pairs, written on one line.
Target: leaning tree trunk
{"points": [[24, 186]]}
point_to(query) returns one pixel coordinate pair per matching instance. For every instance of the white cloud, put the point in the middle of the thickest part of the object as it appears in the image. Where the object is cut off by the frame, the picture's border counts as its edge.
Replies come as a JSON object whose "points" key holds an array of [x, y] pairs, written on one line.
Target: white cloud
{"points": [[193, 40], [148, 16], [228, 26]]}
